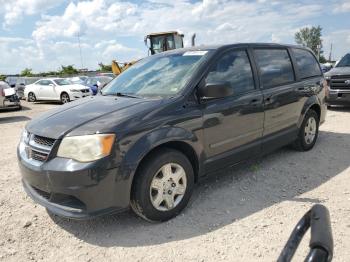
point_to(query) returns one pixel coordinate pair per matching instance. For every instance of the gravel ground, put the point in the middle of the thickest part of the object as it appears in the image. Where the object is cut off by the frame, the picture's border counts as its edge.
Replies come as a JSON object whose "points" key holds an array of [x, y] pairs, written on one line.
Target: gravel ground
{"points": [[245, 213]]}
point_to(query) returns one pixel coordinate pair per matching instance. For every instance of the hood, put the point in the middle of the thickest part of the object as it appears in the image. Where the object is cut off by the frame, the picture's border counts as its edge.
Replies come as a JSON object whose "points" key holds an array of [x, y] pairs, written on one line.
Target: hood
{"points": [[84, 112], [9, 91], [338, 71]]}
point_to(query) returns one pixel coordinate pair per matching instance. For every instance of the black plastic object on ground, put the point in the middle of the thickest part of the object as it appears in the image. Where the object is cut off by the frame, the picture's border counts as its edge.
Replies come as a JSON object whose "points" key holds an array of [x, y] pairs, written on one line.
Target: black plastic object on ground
{"points": [[321, 243]]}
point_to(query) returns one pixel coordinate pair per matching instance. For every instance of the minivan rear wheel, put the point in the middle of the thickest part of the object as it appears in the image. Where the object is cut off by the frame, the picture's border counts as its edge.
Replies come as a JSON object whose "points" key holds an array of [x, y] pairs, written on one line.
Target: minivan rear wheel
{"points": [[163, 185], [308, 132]]}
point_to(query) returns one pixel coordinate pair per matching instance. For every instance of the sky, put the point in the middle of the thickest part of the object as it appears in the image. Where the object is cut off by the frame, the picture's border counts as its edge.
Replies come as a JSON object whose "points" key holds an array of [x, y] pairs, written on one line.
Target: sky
{"points": [[44, 34]]}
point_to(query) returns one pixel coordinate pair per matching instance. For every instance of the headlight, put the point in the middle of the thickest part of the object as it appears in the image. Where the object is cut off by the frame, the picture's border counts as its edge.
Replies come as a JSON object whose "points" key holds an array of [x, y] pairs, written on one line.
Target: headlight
{"points": [[25, 136], [327, 77], [86, 148], [75, 90]]}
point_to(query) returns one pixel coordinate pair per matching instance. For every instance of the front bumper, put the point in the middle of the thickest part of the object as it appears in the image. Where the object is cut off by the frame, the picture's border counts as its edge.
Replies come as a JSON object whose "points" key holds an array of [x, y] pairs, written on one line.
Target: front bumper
{"points": [[75, 190], [77, 95], [11, 101], [338, 97]]}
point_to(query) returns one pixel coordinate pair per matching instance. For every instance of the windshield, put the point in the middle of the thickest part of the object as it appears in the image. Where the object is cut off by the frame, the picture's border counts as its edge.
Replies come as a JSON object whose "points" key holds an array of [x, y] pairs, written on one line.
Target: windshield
{"points": [[156, 76], [345, 61], [62, 82]]}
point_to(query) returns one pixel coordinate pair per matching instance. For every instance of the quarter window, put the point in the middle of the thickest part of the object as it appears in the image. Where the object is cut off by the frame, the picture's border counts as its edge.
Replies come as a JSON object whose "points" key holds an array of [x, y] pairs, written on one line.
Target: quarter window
{"points": [[233, 68], [306, 63], [275, 67]]}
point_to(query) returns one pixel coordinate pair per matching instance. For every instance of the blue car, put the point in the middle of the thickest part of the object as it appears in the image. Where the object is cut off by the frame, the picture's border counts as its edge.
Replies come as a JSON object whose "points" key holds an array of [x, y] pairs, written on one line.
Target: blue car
{"points": [[97, 83], [94, 83]]}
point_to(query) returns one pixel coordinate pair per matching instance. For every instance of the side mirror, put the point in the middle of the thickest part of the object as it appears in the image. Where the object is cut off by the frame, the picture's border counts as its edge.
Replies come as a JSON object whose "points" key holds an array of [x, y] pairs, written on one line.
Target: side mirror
{"points": [[51, 85], [215, 90]]}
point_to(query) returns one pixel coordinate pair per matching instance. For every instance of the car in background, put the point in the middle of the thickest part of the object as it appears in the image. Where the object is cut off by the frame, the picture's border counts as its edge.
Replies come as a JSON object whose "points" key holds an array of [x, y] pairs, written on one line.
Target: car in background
{"points": [[8, 97], [326, 67], [78, 79], [11, 80], [107, 74], [338, 83], [98, 83], [55, 89], [21, 83]]}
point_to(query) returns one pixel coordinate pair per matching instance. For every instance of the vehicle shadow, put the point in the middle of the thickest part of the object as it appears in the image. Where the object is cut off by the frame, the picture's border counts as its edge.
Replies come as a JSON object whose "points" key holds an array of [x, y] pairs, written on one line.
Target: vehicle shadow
{"points": [[47, 103], [231, 195], [13, 119], [339, 108]]}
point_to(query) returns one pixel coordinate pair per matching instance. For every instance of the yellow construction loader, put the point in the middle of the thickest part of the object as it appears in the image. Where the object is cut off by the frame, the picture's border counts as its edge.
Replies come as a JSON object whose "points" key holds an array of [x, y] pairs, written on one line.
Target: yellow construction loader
{"points": [[156, 43]]}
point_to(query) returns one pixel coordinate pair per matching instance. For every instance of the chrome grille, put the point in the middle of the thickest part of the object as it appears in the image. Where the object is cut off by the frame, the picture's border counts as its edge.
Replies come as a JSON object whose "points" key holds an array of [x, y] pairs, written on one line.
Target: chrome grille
{"points": [[45, 141], [38, 148], [38, 156], [340, 82]]}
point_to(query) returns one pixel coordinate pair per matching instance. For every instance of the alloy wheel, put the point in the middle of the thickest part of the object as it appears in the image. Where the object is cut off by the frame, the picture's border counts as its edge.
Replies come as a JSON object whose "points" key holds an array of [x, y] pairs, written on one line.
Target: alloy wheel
{"points": [[64, 98], [31, 97], [310, 130]]}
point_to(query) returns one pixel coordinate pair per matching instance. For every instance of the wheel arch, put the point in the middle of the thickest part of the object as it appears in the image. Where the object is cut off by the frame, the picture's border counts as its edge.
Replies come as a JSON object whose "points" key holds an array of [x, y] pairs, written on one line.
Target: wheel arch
{"points": [[64, 92], [184, 142], [311, 103]]}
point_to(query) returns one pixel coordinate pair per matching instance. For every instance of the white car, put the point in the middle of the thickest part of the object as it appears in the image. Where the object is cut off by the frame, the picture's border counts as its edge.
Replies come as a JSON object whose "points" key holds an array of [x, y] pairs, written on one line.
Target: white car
{"points": [[55, 89]]}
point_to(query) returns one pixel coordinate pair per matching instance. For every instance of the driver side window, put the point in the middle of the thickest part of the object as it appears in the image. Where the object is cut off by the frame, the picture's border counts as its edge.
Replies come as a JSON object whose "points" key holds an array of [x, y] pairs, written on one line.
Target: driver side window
{"points": [[234, 68]]}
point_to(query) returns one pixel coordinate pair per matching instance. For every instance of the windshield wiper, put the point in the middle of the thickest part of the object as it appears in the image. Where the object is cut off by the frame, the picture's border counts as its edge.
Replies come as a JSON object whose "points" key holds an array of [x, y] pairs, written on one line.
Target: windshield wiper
{"points": [[122, 94]]}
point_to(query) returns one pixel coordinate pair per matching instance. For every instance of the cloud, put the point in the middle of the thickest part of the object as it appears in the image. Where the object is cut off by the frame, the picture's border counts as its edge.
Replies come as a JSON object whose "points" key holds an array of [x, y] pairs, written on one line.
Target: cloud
{"points": [[14, 10], [342, 7], [340, 39], [110, 29]]}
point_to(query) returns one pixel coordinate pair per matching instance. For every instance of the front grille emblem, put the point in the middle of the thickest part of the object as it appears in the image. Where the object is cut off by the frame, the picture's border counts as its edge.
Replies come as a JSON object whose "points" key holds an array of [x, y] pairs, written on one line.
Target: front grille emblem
{"points": [[347, 82]]}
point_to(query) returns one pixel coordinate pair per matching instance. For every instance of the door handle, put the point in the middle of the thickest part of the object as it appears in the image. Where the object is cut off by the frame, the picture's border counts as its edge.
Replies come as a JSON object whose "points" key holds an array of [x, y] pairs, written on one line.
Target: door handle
{"points": [[268, 100], [254, 101]]}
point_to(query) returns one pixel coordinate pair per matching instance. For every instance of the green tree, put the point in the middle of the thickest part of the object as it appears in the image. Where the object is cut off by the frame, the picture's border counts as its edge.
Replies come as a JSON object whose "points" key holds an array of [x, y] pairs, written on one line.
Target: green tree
{"points": [[105, 68], [311, 37], [68, 70], [27, 72], [2, 78]]}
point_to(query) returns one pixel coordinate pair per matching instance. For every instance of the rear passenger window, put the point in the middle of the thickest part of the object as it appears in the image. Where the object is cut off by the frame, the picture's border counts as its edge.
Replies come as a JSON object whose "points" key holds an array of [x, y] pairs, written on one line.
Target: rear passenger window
{"points": [[233, 67], [306, 63], [275, 67]]}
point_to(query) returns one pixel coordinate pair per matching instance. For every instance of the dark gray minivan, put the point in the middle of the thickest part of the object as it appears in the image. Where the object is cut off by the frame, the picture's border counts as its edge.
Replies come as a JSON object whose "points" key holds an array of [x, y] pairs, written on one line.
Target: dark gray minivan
{"points": [[167, 122]]}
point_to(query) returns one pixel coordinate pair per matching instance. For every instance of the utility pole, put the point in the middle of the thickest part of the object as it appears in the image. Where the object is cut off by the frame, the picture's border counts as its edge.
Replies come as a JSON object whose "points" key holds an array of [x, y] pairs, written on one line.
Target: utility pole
{"points": [[318, 51], [330, 53], [81, 56]]}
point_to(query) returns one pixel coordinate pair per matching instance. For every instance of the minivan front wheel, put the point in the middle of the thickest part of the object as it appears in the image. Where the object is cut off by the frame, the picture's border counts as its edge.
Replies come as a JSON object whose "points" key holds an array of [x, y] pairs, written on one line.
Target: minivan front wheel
{"points": [[163, 185], [308, 132]]}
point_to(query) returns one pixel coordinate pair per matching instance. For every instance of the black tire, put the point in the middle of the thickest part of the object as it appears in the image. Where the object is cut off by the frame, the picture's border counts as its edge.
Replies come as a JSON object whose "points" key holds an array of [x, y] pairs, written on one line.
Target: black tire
{"points": [[301, 143], [65, 98], [31, 97], [141, 191]]}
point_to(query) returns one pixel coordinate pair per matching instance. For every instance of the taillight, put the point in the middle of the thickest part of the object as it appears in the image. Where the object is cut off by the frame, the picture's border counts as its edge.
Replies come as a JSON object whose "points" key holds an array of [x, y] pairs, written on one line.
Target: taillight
{"points": [[2, 92]]}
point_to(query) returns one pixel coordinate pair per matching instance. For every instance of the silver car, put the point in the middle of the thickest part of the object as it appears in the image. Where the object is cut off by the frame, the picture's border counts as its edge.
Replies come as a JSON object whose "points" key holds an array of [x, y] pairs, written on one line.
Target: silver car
{"points": [[8, 97]]}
